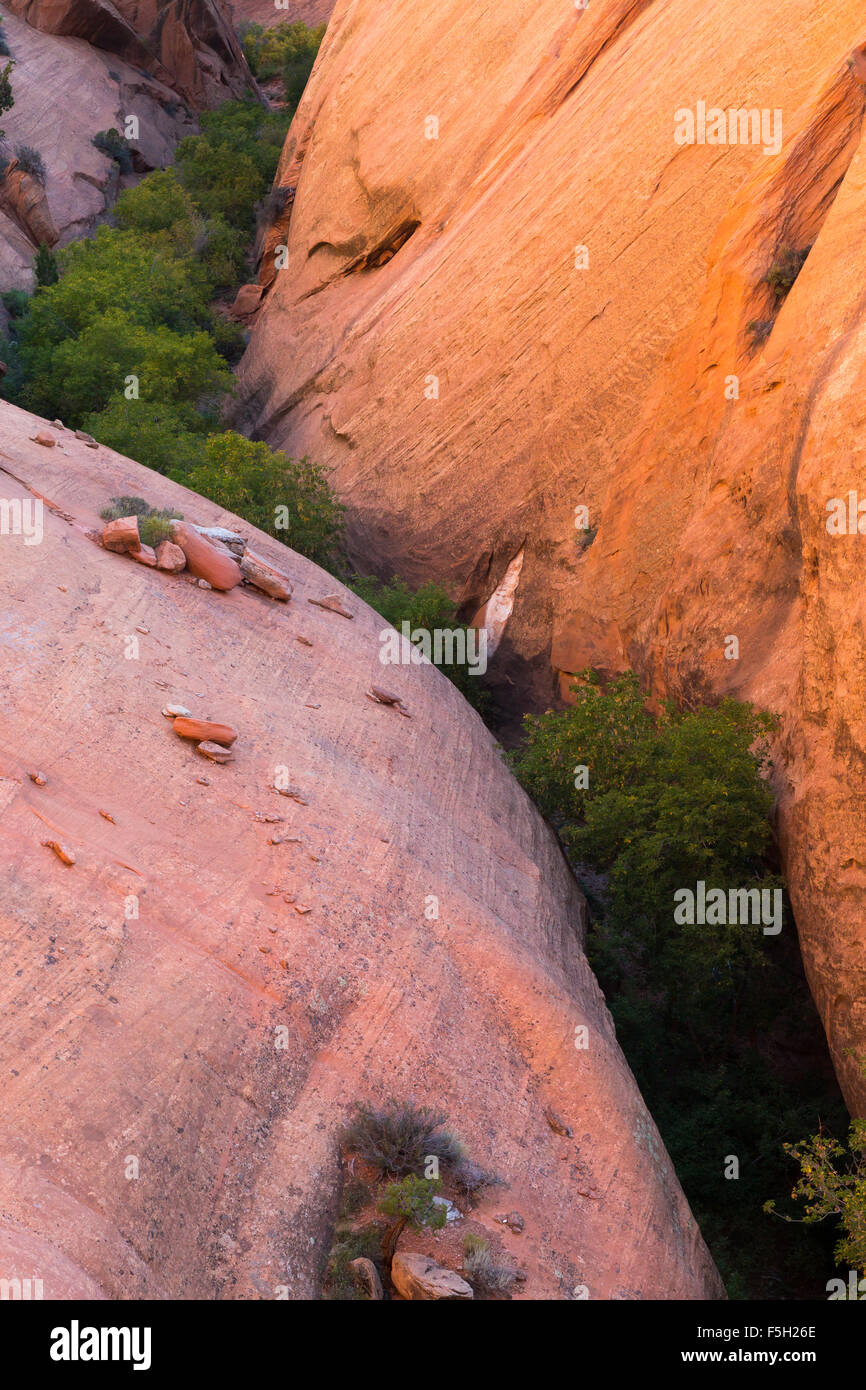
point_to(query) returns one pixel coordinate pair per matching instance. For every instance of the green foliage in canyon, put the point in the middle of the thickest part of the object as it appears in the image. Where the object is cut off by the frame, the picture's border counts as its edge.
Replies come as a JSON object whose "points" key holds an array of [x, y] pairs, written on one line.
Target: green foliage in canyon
{"points": [[715, 1018]]}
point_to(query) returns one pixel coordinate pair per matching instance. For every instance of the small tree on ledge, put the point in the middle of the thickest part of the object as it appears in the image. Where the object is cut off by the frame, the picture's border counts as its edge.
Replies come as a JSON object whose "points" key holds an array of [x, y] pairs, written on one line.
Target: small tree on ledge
{"points": [[408, 1203]]}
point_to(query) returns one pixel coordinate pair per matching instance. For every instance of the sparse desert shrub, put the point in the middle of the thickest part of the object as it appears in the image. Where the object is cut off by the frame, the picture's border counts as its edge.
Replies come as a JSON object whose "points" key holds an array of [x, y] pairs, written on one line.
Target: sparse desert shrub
{"points": [[759, 330], [31, 162], [7, 101], [484, 1272], [153, 524], [470, 1179], [785, 268], [399, 1137], [116, 146]]}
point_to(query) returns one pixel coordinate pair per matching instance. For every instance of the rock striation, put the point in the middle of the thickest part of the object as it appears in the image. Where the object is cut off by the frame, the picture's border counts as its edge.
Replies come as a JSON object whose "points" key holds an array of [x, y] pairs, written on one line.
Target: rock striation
{"points": [[550, 318]]}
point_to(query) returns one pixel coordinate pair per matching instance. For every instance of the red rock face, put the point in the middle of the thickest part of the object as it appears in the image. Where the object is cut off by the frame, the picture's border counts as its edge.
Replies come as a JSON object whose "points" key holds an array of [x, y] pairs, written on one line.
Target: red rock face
{"points": [[540, 308], [403, 954], [189, 44]]}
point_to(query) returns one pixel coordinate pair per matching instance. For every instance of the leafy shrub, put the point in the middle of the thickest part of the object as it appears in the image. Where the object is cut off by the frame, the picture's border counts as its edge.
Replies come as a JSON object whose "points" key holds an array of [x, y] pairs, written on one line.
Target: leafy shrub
{"points": [[45, 266], [340, 1284], [716, 1021], [31, 162], [287, 49], [470, 1179], [15, 302], [832, 1182], [399, 1137], [426, 609], [484, 1272], [7, 100], [290, 500], [116, 147]]}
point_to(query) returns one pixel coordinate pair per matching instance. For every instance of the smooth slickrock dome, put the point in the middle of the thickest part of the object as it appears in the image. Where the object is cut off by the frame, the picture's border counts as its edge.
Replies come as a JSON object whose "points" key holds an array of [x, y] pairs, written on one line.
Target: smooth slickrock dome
{"points": [[511, 293], [425, 940]]}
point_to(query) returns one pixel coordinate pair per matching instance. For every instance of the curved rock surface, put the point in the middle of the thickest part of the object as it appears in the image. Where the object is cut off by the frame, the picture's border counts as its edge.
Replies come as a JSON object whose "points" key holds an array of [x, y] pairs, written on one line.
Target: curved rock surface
{"points": [[540, 310], [180, 1042], [190, 45]]}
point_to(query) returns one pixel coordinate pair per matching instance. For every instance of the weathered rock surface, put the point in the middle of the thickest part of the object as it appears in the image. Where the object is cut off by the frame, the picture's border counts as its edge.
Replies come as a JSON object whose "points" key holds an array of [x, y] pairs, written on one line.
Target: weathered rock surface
{"points": [[419, 1278], [65, 92], [542, 309], [190, 45], [151, 1035]]}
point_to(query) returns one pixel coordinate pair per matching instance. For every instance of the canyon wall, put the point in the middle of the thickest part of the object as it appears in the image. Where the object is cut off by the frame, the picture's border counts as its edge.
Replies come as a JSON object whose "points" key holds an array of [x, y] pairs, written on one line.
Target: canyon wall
{"points": [[188, 1009], [190, 45], [515, 288]]}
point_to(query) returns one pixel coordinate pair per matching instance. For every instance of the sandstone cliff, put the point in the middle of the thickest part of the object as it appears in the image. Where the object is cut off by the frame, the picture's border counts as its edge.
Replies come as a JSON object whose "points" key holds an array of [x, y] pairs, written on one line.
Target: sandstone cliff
{"points": [[511, 293], [190, 45], [153, 1036]]}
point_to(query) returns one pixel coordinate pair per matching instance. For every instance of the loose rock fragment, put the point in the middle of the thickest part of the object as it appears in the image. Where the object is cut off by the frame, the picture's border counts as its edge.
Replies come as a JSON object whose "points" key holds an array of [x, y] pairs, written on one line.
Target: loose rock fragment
{"points": [[170, 557], [203, 781], [279, 838], [203, 560], [384, 697], [176, 712], [42, 438], [62, 851], [304, 641], [145, 555], [214, 752], [204, 730], [58, 424], [299, 907], [367, 1276], [333, 603], [39, 778], [230, 539], [122, 535], [266, 577], [418, 1278], [556, 1124], [107, 816], [268, 817], [295, 793], [88, 438]]}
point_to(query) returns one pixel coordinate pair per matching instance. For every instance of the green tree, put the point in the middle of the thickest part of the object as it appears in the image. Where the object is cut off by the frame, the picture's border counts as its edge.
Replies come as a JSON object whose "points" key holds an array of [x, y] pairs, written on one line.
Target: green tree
{"points": [[45, 266], [290, 500], [832, 1182], [408, 1202], [7, 100]]}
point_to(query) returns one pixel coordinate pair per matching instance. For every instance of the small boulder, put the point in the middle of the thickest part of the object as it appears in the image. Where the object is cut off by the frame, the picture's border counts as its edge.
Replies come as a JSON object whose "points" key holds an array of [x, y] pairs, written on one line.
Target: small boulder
{"points": [[42, 438], [62, 851], [203, 559], [39, 778], [204, 730], [82, 434], [170, 557], [214, 752], [246, 302], [417, 1278], [513, 1220], [122, 535], [176, 712], [268, 578], [333, 603], [145, 555], [367, 1276]]}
